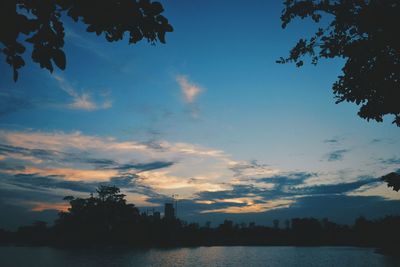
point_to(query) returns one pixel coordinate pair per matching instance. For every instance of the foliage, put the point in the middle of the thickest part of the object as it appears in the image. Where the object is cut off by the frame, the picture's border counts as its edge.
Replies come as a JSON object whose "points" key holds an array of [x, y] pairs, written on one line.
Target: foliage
{"points": [[393, 180], [39, 23], [365, 34], [103, 214]]}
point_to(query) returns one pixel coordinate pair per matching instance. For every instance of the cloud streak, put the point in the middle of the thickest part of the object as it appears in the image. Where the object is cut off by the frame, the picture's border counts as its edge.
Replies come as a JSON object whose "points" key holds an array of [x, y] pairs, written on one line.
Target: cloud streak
{"points": [[42, 206], [251, 207], [81, 100], [391, 161]]}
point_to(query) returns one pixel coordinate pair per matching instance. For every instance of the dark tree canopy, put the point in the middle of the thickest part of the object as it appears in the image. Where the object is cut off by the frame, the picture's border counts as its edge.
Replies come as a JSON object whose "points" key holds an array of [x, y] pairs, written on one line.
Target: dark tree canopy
{"points": [[393, 180], [39, 23], [106, 212], [364, 33]]}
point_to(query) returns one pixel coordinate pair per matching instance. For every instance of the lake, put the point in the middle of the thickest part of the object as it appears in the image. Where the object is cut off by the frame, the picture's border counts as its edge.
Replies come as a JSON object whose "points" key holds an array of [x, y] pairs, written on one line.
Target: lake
{"points": [[199, 256]]}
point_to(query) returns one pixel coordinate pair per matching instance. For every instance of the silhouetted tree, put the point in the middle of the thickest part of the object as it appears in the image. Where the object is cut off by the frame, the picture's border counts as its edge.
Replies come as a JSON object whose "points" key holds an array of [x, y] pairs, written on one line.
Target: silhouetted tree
{"points": [[104, 216], [393, 180], [39, 23], [365, 34], [110, 194]]}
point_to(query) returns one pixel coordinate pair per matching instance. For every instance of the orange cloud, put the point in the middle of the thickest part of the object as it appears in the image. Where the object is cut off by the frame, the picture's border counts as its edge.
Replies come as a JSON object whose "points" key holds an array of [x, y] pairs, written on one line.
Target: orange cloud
{"points": [[41, 206], [162, 180], [69, 174], [254, 207]]}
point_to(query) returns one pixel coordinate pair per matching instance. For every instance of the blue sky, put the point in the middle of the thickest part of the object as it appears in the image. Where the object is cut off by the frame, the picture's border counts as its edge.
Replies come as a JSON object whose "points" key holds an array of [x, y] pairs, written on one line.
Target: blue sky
{"points": [[209, 116]]}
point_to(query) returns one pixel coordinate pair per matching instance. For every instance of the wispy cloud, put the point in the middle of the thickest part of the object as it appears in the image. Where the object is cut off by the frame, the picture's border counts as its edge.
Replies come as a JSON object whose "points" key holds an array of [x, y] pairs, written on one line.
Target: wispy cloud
{"points": [[336, 155], [85, 102], [190, 91], [332, 141], [82, 100], [390, 161], [252, 169]]}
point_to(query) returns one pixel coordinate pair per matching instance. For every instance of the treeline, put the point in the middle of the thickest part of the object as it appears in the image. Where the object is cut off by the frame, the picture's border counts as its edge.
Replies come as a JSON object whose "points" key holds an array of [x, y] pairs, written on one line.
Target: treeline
{"points": [[106, 219], [148, 231]]}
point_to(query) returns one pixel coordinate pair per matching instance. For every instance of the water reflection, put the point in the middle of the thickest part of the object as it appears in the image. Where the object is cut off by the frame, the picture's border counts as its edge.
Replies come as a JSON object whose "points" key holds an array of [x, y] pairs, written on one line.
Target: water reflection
{"points": [[200, 256]]}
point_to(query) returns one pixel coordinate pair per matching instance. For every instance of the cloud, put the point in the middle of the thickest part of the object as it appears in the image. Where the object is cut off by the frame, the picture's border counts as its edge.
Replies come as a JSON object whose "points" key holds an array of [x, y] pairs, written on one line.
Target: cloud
{"points": [[85, 102], [37, 182], [384, 140], [339, 208], [123, 180], [336, 154], [69, 174], [287, 190], [17, 202], [254, 207], [297, 184], [165, 182], [332, 141], [42, 206], [74, 157], [12, 101], [391, 161], [82, 100], [189, 90], [145, 166], [252, 169], [208, 180], [21, 214], [284, 181], [340, 188], [40, 182], [77, 162], [21, 153], [85, 43]]}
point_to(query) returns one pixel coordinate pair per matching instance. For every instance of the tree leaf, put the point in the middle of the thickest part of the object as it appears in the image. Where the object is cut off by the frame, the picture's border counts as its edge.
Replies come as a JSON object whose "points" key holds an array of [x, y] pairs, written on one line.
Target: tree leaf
{"points": [[59, 58]]}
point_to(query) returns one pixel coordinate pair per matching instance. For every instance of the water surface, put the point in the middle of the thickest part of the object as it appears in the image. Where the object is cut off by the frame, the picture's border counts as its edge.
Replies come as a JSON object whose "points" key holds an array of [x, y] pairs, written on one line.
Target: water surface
{"points": [[200, 256]]}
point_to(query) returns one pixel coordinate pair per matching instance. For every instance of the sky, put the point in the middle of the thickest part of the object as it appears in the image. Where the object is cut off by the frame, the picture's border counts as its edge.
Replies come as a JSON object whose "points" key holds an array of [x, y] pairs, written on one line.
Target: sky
{"points": [[209, 116]]}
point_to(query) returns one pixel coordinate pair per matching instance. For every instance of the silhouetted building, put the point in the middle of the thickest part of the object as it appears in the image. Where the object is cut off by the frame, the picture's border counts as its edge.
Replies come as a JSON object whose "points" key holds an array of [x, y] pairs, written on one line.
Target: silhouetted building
{"points": [[169, 211]]}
